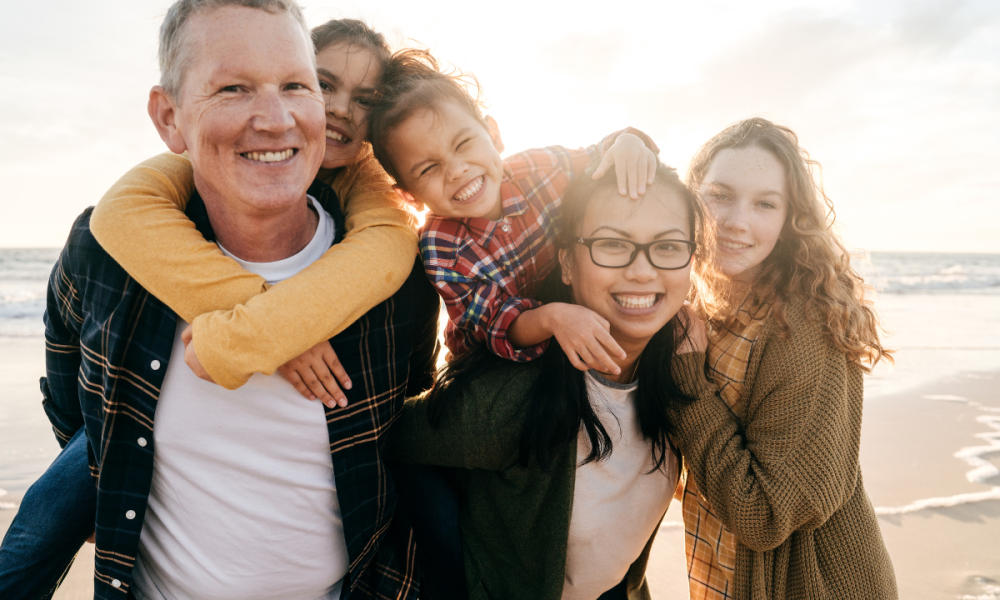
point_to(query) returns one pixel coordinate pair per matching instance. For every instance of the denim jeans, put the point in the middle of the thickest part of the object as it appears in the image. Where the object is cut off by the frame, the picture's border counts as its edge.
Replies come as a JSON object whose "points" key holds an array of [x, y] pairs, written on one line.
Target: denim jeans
{"points": [[55, 517]]}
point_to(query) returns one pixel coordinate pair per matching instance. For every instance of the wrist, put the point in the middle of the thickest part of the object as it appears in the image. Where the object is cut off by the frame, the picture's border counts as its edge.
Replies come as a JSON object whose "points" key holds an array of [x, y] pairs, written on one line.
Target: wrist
{"points": [[549, 316]]}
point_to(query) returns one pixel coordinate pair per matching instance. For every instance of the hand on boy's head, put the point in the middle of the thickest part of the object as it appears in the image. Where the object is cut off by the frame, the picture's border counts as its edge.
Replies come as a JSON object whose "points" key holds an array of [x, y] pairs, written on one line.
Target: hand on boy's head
{"points": [[315, 374], [191, 357], [635, 165], [585, 337]]}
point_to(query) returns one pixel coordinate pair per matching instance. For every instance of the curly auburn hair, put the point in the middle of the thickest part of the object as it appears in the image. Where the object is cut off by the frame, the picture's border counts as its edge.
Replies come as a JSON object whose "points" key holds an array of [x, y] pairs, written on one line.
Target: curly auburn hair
{"points": [[811, 261]]}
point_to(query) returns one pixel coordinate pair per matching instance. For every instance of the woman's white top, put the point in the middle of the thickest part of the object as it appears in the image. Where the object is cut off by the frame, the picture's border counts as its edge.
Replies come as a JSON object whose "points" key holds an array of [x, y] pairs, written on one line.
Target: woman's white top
{"points": [[617, 502]]}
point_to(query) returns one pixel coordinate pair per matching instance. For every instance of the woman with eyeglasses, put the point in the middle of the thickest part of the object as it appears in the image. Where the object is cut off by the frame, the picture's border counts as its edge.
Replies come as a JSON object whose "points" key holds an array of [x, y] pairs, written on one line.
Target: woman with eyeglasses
{"points": [[774, 505], [564, 474]]}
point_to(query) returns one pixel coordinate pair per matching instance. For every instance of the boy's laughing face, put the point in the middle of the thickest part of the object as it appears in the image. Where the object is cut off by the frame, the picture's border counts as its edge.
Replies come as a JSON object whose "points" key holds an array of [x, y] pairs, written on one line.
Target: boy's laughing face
{"points": [[447, 160]]}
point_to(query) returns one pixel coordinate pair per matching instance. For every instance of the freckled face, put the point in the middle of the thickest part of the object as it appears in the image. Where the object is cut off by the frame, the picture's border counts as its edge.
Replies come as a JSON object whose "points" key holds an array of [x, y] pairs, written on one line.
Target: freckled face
{"points": [[745, 190], [348, 75], [639, 299]]}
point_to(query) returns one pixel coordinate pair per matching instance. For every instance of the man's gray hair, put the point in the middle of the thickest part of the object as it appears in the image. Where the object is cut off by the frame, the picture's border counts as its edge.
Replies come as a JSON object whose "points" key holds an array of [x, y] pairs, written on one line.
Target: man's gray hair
{"points": [[174, 60]]}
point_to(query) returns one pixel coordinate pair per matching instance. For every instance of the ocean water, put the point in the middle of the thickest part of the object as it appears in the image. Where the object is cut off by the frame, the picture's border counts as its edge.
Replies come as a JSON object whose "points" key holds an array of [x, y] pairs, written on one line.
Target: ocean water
{"points": [[937, 279], [909, 273], [941, 312], [23, 277]]}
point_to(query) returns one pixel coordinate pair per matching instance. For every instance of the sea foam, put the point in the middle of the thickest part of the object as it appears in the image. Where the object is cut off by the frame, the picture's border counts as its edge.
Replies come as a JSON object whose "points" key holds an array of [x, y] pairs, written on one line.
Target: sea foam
{"points": [[981, 472], [945, 502]]}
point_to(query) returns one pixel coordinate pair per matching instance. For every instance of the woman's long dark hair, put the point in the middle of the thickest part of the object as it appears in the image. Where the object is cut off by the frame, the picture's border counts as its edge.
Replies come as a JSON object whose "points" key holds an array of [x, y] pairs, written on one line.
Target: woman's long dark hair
{"points": [[559, 404]]}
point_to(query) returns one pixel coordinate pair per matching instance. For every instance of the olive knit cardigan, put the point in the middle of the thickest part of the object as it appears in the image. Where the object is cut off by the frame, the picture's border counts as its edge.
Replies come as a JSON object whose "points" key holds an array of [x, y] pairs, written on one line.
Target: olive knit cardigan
{"points": [[786, 480]]}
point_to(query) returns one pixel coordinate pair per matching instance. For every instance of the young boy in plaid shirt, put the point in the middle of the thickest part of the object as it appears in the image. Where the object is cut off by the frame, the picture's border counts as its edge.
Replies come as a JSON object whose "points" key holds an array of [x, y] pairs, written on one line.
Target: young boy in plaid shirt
{"points": [[487, 242]]}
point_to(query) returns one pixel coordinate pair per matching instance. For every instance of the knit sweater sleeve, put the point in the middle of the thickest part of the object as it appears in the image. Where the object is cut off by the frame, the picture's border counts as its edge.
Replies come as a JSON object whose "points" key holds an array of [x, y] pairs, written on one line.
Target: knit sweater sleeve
{"points": [[793, 461]]}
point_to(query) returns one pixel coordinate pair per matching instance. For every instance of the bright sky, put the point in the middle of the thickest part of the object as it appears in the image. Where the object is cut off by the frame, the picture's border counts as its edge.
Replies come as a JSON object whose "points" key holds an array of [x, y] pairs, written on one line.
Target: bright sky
{"points": [[899, 100]]}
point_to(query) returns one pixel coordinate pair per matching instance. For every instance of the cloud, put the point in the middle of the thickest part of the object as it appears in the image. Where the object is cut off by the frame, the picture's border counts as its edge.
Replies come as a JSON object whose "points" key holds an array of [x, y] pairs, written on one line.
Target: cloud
{"points": [[940, 25], [590, 57]]}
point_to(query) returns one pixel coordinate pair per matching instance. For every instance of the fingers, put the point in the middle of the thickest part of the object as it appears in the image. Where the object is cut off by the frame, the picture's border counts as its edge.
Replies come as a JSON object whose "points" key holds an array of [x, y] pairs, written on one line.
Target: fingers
{"points": [[598, 359], [632, 171], [322, 386], [590, 350], [292, 376], [621, 172], [602, 168], [333, 363], [331, 389], [313, 386], [318, 375], [606, 341], [187, 335], [574, 359], [691, 336]]}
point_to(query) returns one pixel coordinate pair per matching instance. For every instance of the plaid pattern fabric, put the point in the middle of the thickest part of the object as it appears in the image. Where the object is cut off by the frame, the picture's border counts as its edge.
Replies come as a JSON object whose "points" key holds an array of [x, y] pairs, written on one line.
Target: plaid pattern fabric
{"points": [[108, 343], [487, 271], [709, 547]]}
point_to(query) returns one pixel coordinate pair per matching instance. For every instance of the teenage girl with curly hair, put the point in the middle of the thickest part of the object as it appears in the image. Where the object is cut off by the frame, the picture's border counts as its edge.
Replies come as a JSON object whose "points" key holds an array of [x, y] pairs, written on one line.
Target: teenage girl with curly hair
{"points": [[774, 504]]}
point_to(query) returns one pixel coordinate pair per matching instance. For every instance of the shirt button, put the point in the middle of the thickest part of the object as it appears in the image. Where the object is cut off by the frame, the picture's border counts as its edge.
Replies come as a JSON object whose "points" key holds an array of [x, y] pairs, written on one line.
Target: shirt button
{"points": [[130, 515], [505, 228], [155, 364], [115, 583], [142, 442]]}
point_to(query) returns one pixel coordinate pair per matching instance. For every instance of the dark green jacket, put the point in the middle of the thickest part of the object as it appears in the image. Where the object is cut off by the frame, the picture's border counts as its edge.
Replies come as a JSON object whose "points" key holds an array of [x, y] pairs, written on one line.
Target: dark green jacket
{"points": [[515, 520]]}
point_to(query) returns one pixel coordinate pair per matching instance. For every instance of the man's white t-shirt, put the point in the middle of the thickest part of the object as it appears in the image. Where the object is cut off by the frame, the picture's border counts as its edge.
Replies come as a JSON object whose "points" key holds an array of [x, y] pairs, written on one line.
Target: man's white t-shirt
{"points": [[243, 502]]}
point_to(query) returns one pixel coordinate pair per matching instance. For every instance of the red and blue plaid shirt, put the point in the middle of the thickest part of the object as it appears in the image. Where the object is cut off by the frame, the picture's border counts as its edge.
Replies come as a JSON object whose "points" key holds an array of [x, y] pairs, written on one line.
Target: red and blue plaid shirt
{"points": [[488, 271]]}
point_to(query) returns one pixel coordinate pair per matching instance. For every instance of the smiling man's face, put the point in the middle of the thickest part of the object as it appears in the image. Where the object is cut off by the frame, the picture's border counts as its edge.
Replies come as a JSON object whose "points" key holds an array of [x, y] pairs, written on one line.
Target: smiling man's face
{"points": [[250, 110]]}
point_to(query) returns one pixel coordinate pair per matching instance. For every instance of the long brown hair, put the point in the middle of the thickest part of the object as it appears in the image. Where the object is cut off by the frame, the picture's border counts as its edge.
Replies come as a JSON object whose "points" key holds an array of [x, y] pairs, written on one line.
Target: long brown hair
{"points": [[353, 32], [810, 261]]}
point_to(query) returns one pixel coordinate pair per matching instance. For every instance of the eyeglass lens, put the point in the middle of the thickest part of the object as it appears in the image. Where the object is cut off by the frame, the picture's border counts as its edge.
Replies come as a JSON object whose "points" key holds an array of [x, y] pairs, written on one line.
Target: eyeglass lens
{"points": [[666, 254]]}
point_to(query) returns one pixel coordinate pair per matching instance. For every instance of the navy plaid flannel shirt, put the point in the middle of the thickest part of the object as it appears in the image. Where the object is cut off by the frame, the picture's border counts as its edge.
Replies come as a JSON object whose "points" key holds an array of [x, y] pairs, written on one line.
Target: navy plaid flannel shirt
{"points": [[108, 342]]}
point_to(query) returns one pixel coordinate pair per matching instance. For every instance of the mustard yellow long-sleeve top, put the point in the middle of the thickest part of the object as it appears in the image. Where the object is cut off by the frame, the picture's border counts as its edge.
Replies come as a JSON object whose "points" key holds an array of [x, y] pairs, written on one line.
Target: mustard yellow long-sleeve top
{"points": [[238, 328]]}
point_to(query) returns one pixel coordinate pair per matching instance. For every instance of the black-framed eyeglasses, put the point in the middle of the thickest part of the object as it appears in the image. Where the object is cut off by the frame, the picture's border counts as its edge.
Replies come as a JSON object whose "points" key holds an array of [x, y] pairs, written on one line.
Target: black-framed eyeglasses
{"points": [[616, 253]]}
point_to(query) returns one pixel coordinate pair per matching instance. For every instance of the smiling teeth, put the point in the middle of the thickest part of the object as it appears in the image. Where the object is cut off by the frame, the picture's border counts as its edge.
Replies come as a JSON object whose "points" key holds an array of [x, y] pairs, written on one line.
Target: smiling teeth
{"points": [[732, 246], [635, 301], [270, 157], [470, 190], [337, 136]]}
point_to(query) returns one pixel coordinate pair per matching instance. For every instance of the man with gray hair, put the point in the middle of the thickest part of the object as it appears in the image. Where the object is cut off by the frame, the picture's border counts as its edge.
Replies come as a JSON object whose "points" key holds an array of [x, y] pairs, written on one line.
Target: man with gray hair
{"points": [[254, 493]]}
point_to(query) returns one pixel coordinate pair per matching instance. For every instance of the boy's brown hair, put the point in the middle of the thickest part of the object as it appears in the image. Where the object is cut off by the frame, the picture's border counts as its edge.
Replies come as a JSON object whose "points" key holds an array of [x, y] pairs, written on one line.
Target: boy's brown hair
{"points": [[413, 80]]}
